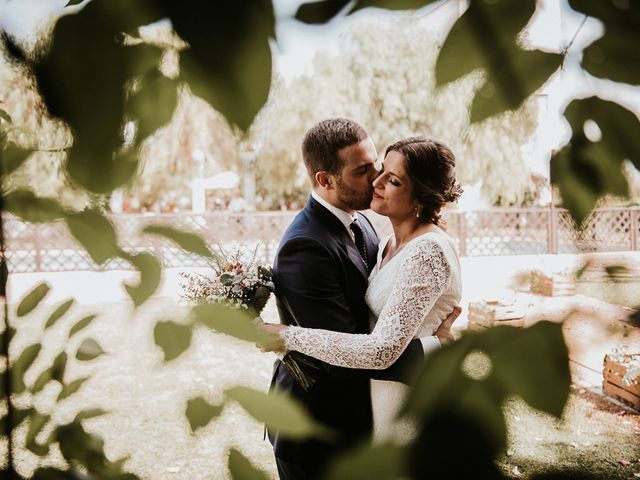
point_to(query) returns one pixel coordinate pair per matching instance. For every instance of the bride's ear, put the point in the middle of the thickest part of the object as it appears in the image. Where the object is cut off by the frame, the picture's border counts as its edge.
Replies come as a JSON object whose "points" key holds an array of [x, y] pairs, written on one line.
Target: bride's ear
{"points": [[324, 180]]}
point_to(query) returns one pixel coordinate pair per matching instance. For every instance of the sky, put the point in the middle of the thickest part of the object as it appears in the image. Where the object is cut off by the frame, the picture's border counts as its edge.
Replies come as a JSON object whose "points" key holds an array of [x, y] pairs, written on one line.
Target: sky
{"points": [[552, 28]]}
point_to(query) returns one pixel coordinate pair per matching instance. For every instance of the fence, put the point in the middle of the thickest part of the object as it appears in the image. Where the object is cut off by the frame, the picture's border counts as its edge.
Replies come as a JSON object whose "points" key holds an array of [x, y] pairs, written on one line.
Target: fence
{"points": [[500, 231]]}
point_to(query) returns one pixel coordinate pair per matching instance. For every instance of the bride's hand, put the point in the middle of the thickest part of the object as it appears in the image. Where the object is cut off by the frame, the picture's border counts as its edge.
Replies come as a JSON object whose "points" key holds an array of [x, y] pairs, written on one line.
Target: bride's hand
{"points": [[275, 343], [444, 330]]}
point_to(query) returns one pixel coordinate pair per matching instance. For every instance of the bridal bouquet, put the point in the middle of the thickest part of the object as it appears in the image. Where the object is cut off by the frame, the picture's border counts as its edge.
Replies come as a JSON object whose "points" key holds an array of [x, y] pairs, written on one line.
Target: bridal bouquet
{"points": [[233, 283], [243, 285]]}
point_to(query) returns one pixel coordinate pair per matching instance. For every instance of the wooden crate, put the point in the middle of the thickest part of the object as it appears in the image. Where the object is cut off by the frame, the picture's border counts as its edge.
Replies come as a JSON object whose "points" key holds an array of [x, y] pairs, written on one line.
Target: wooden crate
{"points": [[490, 313], [613, 383], [552, 285]]}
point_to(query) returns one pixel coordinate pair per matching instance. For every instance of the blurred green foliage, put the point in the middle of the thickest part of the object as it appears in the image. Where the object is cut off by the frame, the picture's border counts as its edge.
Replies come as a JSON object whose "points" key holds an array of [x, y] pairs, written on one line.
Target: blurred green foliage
{"points": [[108, 87]]}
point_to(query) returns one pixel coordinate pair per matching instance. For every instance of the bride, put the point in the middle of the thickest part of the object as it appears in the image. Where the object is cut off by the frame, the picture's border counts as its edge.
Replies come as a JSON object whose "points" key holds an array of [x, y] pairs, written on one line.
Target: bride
{"points": [[415, 284]]}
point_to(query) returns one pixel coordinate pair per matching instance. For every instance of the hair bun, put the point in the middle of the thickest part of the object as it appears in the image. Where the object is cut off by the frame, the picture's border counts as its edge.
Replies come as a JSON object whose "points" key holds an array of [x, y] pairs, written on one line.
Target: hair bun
{"points": [[453, 193]]}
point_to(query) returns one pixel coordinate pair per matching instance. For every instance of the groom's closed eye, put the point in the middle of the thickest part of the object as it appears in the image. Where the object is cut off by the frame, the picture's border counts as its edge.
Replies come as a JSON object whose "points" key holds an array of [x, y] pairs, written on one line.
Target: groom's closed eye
{"points": [[364, 168]]}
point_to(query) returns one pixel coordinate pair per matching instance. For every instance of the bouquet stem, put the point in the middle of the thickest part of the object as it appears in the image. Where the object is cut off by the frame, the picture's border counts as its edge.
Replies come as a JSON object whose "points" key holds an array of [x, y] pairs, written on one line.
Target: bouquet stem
{"points": [[301, 369]]}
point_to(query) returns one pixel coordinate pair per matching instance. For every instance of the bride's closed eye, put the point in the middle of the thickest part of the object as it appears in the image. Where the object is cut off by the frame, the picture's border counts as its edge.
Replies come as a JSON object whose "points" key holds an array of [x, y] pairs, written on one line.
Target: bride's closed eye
{"points": [[391, 180]]}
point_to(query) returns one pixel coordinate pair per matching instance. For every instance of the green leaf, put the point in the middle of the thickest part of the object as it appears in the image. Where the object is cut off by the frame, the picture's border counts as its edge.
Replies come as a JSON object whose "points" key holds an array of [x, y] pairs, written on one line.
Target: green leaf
{"points": [[42, 380], [384, 461], [88, 350], [142, 59], [610, 56], [391, 4], [188, 241], [23, 203], [228, 62], [200, 412], [50, 473], [320, 12], [511, 352], [82, 324], [543, 346], [21, 365], [261, 297], [485, 37], [440, 374], [5, 116], [90, 413], [279, 412], [227, 278], [38, 421], [59, 365], [231, 321], [71, 388], [173, 338], [241, 468], [13, 157], [83, 82], [324, 11], [95, 233], [475, 453], [59, 312], [18, 417], [585, 170], [79, 446], [616, 272], [32, 299], [153, 105], [150, 273]]}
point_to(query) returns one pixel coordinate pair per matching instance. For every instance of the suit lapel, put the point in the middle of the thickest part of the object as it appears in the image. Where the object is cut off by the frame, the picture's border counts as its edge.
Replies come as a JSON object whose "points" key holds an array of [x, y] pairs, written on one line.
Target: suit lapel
{"points": [[337, 228]]}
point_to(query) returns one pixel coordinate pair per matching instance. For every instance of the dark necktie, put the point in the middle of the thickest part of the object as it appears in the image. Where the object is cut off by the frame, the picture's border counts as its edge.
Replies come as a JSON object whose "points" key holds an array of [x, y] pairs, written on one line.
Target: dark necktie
{"points": [[358, 237]]}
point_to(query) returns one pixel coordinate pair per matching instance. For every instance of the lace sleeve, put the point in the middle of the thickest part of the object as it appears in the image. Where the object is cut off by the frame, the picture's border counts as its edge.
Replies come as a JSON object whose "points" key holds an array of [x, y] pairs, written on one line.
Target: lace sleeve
{"points": [[422, 278]]}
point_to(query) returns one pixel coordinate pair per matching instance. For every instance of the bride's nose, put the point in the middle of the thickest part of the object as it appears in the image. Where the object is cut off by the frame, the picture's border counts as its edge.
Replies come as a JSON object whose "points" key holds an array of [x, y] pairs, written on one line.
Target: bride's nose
{"points": [[377, 183]]}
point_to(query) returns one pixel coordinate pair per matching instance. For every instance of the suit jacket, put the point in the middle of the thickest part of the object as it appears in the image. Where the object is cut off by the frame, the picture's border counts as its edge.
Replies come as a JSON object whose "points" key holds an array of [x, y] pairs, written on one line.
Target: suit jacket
{"points": [[321, 282]]}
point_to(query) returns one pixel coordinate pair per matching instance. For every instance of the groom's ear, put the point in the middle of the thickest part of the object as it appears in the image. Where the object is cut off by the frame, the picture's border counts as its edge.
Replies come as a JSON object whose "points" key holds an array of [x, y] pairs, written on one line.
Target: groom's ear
{"points": [[324, 180]]}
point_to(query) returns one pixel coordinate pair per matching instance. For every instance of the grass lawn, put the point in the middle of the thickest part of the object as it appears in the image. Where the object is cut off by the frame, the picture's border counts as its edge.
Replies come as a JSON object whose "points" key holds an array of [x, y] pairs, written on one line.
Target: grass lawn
{"points": [[593, 437]]}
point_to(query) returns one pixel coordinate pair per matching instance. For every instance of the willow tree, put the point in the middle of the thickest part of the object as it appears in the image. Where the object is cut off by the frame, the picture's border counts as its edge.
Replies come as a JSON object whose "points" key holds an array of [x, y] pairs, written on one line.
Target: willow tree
{"points": [[384, 78]]}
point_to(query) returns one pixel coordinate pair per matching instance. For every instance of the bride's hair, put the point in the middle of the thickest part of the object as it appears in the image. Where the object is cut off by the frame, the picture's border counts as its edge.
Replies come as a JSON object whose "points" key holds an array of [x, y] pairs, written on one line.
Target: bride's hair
{"points": [[430, 166]]}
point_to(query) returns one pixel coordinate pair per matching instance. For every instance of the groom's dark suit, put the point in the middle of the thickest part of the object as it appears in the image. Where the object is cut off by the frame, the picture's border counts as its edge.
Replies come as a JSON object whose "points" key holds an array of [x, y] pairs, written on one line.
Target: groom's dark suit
{"points": [[320, 283]]}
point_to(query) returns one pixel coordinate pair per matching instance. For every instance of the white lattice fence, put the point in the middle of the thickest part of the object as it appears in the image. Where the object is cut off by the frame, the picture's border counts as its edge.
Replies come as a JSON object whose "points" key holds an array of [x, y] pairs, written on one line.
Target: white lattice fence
{"points": [[605, 230], [49, 247], [502, 232]]}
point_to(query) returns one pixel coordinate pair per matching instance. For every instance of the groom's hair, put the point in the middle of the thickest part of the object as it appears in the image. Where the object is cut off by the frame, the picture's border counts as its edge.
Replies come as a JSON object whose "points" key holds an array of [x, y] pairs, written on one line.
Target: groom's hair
{"points": [[323, 141]]}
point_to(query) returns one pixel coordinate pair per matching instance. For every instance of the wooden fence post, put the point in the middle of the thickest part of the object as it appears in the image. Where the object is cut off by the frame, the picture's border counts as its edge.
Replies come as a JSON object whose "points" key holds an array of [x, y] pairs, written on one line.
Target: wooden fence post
{"points": [[463, 234], [37, 246]]}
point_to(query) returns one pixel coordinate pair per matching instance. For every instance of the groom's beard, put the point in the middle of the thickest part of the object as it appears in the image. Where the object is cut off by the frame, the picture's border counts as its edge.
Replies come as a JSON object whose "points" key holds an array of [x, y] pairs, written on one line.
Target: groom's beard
{"points": [[352, 198]]}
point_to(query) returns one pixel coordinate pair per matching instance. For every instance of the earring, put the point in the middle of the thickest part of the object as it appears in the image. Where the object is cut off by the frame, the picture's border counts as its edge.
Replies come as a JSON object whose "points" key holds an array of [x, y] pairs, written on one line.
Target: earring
{"points": [[418, 211]]}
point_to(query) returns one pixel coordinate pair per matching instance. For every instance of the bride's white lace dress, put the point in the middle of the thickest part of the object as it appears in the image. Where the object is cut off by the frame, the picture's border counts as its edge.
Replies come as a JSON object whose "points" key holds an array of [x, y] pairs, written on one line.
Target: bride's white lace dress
{"points": [[408, 297]]}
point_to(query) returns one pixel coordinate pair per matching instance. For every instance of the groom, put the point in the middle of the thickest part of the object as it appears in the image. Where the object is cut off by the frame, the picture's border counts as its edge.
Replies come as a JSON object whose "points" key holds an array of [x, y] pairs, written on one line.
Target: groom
{"points": [[321, 275]]}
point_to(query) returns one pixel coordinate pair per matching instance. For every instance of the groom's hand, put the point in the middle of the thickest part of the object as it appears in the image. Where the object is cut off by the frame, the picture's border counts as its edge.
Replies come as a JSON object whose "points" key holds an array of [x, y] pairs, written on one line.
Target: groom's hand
{"points": [[274, 342], [444, 330]]}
